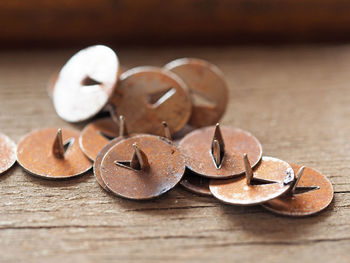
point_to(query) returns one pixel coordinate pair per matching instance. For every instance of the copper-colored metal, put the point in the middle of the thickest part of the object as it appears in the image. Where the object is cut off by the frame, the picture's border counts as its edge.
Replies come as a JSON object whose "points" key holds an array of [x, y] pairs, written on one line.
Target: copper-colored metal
{"points": [[178, 136], [85, 83], [167, 133], [7, 153], [58, 147], [99, 158], [312, 193], [197, 149], [147, 96], [165, 170], [268, 182], [139, 160], [195, 183], [209, 90], [35, 153], [96, 135]]}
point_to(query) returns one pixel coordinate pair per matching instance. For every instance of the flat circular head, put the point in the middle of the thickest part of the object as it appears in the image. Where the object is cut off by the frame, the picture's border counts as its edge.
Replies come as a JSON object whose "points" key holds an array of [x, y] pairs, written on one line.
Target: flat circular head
{"points": [[7, 153], [207, 86], [96, 135], [196, 148], [195, 183], [147, 96], [270, 175], [99, 158], [85, 83], [35, 155], [165, 171], [315, 195]]}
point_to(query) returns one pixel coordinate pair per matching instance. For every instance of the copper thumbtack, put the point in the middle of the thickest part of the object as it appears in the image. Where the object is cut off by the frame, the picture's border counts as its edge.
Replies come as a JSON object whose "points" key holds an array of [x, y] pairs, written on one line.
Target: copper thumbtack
{"points": [[311, 193], [216, 152], [195, 183], [142, 167], [85, 83], [52, 154], [7, 153], [146, 96], [208, 88], [271, 178]]}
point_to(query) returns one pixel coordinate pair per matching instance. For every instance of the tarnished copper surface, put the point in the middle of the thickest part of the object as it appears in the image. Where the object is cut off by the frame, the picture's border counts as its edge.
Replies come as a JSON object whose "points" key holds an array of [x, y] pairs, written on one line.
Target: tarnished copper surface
{"points": [[208, 88], [85, 83], [306, 203], [195, 183], [35, 155], [95, 136], [7, 153], [166, 168], [99, 158], [238, 192], [147, 96], [196, 147]]}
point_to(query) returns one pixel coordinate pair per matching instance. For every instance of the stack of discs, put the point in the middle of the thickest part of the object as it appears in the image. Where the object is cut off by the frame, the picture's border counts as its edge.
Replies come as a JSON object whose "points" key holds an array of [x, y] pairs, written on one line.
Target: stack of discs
{"points": [[163, 129]]}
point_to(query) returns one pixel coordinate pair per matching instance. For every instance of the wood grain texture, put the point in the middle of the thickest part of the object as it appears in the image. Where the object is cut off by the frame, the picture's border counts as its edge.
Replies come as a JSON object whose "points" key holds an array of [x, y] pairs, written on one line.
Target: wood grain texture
{"points": [[294, 99]]}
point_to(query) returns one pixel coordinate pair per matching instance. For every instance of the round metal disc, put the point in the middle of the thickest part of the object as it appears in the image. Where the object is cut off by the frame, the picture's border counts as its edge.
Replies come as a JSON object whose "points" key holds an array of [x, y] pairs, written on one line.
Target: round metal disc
{"points": [[208, 88], [147, 96], [96, 135], [7, 153], [85, 83], [195, 183], [196, 147], [99, 158], [238, 192], [165, 171], [306, 203], [34, 154]]}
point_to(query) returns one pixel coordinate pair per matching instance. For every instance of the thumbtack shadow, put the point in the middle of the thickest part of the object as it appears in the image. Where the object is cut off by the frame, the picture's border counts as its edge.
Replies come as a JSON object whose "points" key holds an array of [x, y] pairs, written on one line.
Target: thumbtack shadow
{"points": [[259, 221], [57, 183], [8, 173]]}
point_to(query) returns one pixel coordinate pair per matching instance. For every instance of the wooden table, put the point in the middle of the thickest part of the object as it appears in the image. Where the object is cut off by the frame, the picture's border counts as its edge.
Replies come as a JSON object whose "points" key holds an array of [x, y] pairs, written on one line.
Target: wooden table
{"points": [[296, 100]]}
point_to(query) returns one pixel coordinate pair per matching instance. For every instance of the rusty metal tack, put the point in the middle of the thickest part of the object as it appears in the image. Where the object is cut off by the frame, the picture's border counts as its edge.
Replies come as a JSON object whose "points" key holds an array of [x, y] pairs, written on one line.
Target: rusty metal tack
{"points": [[85, 83], [195, 183], [165, 170], [7, 153], [146, 96], [269, 176], [196, 147], [208, 89], [312, 192], [36, 155]]}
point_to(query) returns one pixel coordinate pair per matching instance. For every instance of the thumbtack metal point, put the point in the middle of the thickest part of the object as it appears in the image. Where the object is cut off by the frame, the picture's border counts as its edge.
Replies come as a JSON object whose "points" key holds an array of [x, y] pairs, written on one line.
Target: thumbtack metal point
{"points": [[123, 131], [217, 147], [139, 160], [248, 169], [58, 147], [299, 175], [167, 133], [216, 153]]}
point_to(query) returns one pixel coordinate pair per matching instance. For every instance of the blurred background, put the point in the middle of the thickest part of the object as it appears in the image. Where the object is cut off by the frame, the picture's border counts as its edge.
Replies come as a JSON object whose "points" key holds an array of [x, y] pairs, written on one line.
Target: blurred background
{"points": [[66, 23]]}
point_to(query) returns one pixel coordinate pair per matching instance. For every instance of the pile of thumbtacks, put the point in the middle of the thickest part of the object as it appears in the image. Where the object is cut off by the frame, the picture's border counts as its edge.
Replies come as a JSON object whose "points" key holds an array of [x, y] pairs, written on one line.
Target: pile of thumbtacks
{"points": [[162, 130]]}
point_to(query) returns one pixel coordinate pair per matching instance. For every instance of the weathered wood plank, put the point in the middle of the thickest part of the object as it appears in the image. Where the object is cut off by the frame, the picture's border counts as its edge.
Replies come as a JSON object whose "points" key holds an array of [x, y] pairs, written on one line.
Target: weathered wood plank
{"points": [[294, 99]]}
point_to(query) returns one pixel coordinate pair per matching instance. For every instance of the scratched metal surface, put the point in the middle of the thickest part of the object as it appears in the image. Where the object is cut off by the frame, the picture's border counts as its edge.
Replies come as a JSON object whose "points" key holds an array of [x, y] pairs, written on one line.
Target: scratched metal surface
{"points": [[294, 99]]}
